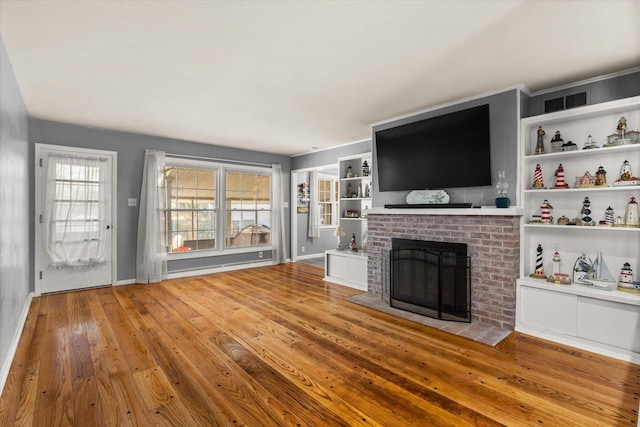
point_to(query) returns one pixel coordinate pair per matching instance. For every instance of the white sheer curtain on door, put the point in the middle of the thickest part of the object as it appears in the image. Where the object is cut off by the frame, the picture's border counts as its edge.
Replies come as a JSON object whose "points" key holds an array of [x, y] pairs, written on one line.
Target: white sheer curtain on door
{"points": [[278, 237], [75, 199], [314, 214], [151, 259]]}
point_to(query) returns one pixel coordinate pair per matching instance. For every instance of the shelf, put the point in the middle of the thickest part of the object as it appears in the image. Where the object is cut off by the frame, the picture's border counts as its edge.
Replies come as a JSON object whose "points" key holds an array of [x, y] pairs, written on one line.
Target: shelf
{"points": [[352, 219], [586, 228], [584, 153], [359, 198], [583, 290], [356, 178], [581, 189]]}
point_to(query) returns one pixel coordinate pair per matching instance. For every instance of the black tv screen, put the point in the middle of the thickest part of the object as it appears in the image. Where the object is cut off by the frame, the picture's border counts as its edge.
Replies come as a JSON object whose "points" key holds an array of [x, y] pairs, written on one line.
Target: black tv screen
{"points": [[447, 151]]}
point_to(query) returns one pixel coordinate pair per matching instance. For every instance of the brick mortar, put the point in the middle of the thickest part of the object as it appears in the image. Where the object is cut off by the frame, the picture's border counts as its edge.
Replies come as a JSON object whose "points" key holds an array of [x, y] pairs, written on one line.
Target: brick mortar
{"points": [[493, 245]]}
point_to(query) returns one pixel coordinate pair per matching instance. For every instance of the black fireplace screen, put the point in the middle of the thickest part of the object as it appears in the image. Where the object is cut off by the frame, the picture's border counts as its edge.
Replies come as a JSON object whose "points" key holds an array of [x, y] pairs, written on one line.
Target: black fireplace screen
{"points": [[431, 278]]}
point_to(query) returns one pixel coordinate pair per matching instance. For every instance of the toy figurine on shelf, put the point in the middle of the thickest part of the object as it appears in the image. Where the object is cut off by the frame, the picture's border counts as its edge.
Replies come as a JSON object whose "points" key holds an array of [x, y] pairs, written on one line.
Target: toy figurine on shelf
{"points": [[540, 142], [349, 172], [631, 218], [586, 213], [560, 177], [626, 177], [556, 276], [593, 274], [590, 144], [365, 168], [601, 177], [557, 142], [537, 178], [545, 212], [539, 272], [608, 217], [353, 246], [625, 281], [620, 137]]}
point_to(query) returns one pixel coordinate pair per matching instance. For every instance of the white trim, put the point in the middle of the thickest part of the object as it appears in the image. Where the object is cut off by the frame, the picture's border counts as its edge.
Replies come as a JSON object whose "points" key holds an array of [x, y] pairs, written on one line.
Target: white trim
{"points": [[587, 81], [333, 147], [13, 346], [452, 104], [125, 282], [39, 147], [310, 256]]}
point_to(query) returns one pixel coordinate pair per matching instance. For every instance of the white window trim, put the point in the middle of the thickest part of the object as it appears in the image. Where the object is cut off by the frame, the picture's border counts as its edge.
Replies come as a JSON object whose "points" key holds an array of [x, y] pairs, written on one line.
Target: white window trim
{"points": [[221, 210], [336, 205]]}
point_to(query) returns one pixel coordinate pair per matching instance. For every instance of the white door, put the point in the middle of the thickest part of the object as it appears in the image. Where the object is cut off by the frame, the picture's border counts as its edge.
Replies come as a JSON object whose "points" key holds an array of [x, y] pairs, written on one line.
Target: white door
{"points": [[75, 208]]}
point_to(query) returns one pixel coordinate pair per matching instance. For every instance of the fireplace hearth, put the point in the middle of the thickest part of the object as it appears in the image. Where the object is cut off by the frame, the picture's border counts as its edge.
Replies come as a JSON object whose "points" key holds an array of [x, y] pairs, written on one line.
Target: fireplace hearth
{"points": [[430, 278]]}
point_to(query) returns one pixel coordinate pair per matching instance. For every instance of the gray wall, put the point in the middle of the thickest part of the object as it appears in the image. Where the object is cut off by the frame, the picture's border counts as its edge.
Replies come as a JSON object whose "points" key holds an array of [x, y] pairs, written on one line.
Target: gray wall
{"points": [[504, 150], [312, 245], [622, 86], [330, 156], [130, 148], [15, 273]]}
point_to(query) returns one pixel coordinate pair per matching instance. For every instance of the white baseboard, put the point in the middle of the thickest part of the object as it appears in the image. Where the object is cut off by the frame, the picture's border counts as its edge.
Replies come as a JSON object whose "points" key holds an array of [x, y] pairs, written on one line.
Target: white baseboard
{"points": [[310, 256], [218, 269], [125, 282], [13, 346]]}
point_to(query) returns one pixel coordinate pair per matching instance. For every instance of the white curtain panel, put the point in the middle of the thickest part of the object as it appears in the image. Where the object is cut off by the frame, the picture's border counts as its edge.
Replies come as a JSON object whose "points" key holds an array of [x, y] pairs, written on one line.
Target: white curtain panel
{"points": [[77, 192], [151, 259], [314, 215], [278, 238]]}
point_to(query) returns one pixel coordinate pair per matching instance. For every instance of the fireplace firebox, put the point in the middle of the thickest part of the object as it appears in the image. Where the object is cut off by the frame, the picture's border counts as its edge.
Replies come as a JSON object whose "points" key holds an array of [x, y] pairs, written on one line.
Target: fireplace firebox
{"points": [[431, 278]]}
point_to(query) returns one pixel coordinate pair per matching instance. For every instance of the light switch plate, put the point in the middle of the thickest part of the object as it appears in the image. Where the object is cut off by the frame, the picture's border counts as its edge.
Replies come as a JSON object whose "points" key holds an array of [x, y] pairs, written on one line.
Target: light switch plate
{"points": [[133, 202]]}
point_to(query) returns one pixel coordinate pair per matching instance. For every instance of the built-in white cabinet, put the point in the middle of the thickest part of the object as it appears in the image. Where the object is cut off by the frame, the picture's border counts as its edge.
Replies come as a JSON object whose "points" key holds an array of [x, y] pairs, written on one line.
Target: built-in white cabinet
{"points": [[606, 321], [345, 266]]}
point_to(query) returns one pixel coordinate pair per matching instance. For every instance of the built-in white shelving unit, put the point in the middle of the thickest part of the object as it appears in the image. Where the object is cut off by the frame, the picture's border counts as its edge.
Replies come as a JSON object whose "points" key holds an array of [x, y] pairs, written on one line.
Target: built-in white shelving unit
{"points": [[603, 321], [346, 267]]}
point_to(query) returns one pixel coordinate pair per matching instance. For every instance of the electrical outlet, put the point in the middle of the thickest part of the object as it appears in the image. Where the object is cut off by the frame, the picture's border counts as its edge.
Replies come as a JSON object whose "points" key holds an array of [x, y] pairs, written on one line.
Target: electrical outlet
{"points": [[260, 254], [133, 202], [302, 249]]}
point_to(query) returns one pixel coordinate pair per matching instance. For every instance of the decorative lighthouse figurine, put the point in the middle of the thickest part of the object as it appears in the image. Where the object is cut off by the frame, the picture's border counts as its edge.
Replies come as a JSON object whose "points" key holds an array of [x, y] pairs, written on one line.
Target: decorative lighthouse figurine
{"points": [[586, 213], [625, 281], [545, 211], [608, 217], [560, 177], [556, 276], [631, 218], [537, 178], [540, 142], [557, 142], [539, 273], [601, 177]]}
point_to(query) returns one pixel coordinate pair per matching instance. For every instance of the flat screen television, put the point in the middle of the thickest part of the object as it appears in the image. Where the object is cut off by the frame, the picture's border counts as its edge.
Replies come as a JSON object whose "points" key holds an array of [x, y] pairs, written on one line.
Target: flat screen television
{"points": [[448, 151]]}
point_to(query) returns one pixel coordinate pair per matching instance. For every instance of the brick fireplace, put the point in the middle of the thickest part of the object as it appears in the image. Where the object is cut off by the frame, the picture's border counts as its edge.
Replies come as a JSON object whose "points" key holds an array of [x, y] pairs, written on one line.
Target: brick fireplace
{"points": [[493, 243]]}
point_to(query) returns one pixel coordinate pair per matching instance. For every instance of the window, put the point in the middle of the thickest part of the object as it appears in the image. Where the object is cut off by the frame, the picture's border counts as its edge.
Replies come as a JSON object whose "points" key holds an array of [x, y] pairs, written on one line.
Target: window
{"points": [[248, 209], [191, 206], [328, 201], [211, 206]]}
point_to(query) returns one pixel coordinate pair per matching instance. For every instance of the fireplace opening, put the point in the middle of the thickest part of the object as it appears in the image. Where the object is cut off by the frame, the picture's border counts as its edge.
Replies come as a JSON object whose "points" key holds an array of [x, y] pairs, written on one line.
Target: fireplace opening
{"points": [[431, 278]]}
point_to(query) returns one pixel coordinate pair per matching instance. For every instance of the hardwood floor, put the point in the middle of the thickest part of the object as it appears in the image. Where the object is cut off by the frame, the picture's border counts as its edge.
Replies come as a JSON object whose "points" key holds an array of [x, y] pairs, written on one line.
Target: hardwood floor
{"points": [[279, 346]]}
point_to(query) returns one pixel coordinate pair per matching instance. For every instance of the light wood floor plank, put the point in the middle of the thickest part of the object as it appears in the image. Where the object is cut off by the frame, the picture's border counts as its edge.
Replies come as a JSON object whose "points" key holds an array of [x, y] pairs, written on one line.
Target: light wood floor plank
{"points": [[279, 346]]}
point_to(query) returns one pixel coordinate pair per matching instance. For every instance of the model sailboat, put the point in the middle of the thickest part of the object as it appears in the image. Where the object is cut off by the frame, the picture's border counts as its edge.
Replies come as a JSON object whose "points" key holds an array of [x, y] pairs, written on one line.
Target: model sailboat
{"points": [[594, 274]]}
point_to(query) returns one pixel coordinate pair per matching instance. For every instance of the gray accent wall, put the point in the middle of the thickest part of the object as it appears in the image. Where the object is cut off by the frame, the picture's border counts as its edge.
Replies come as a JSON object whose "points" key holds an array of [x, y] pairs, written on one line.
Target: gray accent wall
{"points": [[611, 89], [130, 148], [504, 114], [15, 274]]}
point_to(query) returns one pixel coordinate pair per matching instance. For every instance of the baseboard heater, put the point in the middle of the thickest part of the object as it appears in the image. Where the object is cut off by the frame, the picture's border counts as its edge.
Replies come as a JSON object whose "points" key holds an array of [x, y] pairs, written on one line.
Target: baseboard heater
{"points": [[429, 206]]}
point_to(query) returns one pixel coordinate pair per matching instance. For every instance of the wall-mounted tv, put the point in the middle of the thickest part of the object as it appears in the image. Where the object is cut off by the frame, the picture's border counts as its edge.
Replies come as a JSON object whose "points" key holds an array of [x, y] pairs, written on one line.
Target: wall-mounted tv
{"points": [[448, 151]]}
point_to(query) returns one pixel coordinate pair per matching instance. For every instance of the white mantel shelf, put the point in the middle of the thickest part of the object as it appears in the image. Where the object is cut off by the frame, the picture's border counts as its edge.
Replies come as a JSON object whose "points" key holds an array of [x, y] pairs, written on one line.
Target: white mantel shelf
{"points": [[482, 211]]}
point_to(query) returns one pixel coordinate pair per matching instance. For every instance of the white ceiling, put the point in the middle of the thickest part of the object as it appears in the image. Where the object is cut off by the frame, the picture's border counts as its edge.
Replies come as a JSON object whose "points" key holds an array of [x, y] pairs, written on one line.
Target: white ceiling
{"points": [[286, 76]]}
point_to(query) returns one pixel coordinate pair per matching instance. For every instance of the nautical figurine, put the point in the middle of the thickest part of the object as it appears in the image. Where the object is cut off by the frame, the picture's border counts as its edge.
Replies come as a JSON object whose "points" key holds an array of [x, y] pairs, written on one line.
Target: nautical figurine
{"points": [[590, 144], [622, 127], [568, 146], [367, 190], [502, 201], [625, 281], [557, 142], [365, 168], [540, 142], [360, 193], [539, 273], [560, 177], [353, 246], [563, 220], [626, 177], [618, 221], [583, 269], [556, 276], [349, 172], [586, 213], [594, 274], [537, 177], [631, 218], [545, 211], [349, 190], [608, 217], [601, 177]]}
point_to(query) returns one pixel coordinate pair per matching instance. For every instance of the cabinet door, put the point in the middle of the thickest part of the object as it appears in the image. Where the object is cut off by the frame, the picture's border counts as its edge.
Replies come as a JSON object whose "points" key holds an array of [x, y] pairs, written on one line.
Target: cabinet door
{"points": [[337, 266], [548, 310], [610, 323]]}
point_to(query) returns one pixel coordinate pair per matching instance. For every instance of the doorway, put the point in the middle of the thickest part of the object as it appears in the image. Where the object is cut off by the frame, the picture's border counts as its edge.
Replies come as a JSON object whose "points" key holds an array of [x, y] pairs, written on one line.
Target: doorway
{"points": [[75, 242]]}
